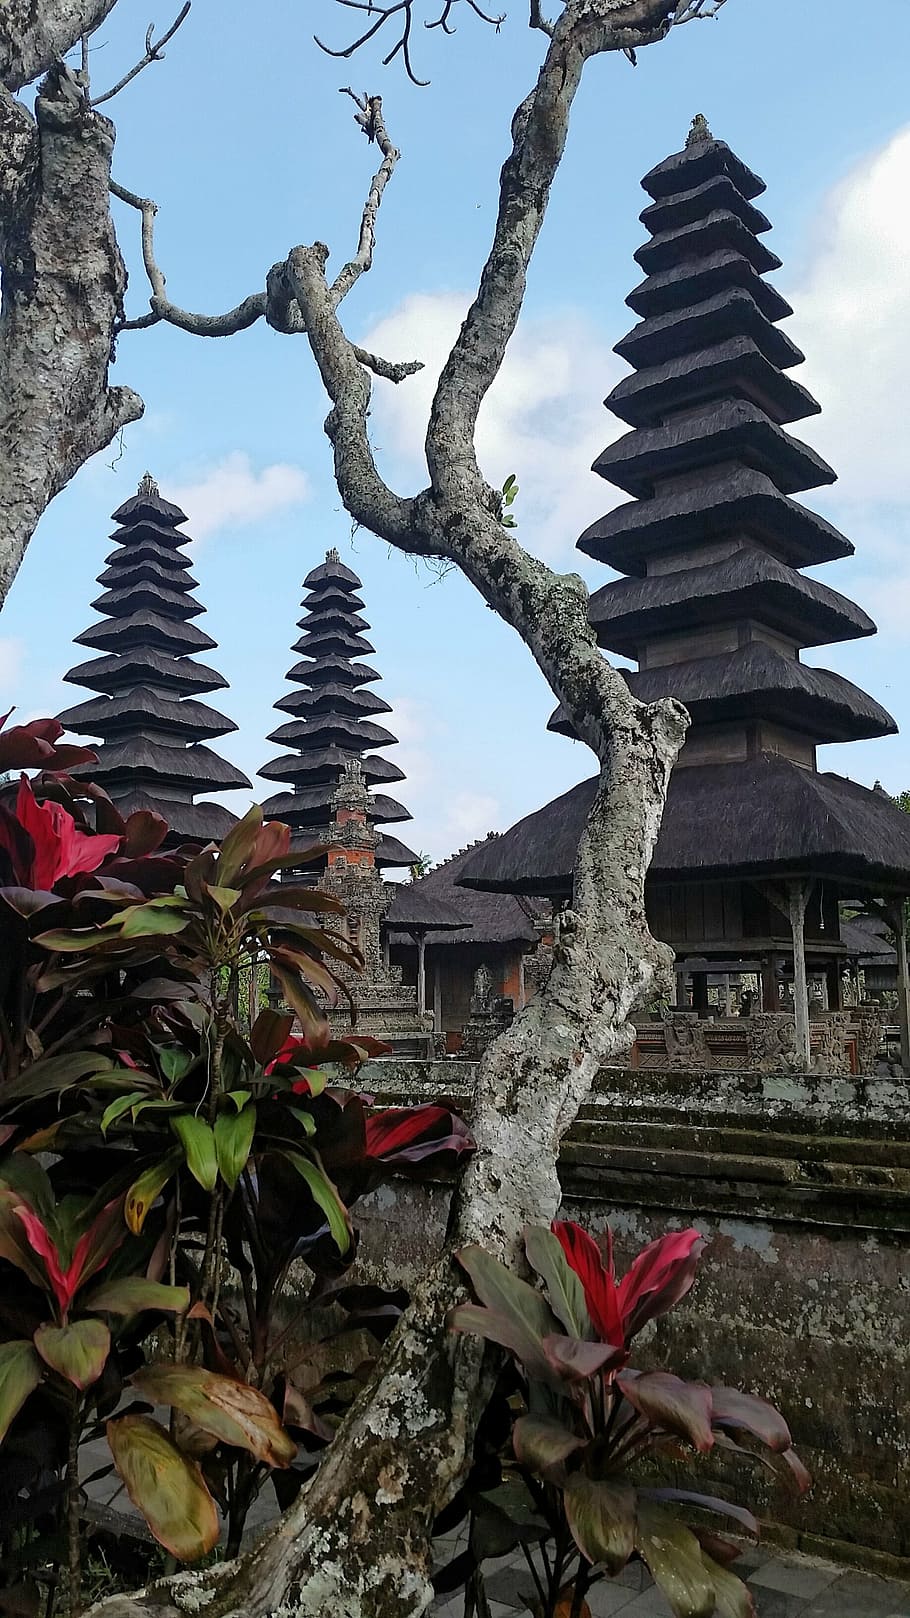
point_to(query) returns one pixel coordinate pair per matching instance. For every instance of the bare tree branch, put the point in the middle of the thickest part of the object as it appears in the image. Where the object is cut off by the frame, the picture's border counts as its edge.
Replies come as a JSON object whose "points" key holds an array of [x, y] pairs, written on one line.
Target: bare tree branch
{"points": [[537, 19], [154, 52], [370, 120], [35, 34], [382, 13]]}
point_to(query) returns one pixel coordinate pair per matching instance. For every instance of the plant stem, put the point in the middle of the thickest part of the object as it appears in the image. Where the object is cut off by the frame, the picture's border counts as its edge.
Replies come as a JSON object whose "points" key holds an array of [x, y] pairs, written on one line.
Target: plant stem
{"points": [[582, 1579], [73, 1524]]}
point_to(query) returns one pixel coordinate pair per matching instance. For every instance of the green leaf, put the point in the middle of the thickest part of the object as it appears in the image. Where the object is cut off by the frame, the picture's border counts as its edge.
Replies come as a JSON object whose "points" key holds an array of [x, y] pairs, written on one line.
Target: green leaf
{"points": [[78, 1351], [143, 921], [55, 1073], [175, 1062], [326, 1197], [233, 1138], [564, 1289], [239, 844], [311, 1016], [20, 1372], [119, 1106], [675, 1559], [305, 1119], [601, 1516], [540, 1442], [144, 1190], [238, 1098], [67, 941], [665, 1400], [198, 1142], [134, 1293], [165, 1487], [516, 1315], [225, 898], [731, 1597], [230, 1410]]}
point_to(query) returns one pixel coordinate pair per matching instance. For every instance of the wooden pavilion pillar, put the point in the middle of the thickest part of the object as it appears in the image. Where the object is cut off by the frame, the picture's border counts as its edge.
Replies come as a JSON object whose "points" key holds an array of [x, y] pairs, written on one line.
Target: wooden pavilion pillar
{"points": [[894, 913], [421, 973], [799, 898], [770, 996]]}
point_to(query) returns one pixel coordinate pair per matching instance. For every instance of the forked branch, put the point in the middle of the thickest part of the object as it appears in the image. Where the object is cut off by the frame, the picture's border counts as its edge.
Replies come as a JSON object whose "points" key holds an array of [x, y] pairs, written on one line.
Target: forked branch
{"points": [[154, 52], [402, 11]]}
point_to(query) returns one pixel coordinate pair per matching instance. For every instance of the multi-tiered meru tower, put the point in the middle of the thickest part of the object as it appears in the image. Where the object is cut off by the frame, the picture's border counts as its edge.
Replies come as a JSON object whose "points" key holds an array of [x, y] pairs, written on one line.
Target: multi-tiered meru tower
{"points": [[715, 609], [147, 715], [333, 717]]}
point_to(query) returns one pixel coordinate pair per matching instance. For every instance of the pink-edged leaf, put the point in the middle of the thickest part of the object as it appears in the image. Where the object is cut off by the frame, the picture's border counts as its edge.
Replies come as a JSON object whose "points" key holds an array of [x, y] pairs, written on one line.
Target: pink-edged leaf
{"points": [[731, 1597], [801, 1476], [509, 1332], [674, 1557], [708, 1502], [666, 1401], [601, 1516], [228, 1409], [541, 1443], [165, 1486], [403, 1135], [585, 1258], [743, 1412], [20, 1372], [563, 1287], [575, 1358], [659, 1277], [133, 1293], [28, 901], [77, 1352]]}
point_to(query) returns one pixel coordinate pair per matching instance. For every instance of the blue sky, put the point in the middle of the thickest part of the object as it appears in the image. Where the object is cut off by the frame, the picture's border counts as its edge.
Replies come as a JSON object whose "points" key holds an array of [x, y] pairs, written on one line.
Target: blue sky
{"points": [[242, 138]]}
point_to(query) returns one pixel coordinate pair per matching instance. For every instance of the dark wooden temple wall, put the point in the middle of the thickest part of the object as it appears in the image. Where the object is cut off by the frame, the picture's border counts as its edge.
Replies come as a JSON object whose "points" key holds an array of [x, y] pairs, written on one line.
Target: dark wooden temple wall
{"points": [[801, 1188]]}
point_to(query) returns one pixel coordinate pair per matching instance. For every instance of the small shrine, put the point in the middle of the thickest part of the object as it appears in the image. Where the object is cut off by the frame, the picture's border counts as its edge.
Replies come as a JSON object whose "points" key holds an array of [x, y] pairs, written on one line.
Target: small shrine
{"points": [[758, 848], [151, 724]]}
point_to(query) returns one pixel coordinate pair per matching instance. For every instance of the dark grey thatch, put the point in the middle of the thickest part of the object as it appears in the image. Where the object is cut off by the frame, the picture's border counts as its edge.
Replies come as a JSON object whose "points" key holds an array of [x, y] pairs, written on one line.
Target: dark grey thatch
{"points": [[741, 501], [718, 229], [145, 716], [767, 817], [495, 918], [729, 315], [685, 207], [735, 366], [330, 728], [869, 939], [414, 911], [747, 584], [694, 279], [723, 430], [701, 159]]}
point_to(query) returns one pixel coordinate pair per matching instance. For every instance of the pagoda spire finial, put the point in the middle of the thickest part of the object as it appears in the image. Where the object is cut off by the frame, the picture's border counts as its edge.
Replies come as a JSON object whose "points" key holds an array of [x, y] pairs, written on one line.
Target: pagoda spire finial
{"points": [[333, 555], [699, 131], [147, 484]]}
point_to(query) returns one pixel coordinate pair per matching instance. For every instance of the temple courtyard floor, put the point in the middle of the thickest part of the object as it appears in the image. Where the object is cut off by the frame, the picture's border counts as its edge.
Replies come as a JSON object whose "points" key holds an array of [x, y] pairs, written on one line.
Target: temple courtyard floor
{"points": [[783, 1585]]}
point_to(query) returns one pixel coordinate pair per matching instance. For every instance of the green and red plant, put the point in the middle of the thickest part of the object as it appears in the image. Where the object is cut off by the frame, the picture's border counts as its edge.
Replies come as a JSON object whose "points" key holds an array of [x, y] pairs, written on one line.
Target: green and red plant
{"points": [[575, 1482]]}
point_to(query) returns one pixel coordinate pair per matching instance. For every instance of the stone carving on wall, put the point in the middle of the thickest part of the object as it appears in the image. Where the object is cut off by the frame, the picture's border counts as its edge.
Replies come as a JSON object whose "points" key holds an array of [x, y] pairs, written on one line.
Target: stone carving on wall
{"points": [[842, 1042]]}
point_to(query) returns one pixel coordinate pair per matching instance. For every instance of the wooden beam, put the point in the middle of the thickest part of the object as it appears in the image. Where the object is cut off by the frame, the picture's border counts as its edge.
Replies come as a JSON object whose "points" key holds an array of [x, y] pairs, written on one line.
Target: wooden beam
{"points": [[893, 912], [799, 893]]}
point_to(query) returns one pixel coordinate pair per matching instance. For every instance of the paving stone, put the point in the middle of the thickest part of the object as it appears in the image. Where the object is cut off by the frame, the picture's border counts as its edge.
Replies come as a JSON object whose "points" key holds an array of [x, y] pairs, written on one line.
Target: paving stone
{"points": [[509, 1584], [650, 1604], [775, 1604], [609, 1597], [795, 1578], [861, 1595]]}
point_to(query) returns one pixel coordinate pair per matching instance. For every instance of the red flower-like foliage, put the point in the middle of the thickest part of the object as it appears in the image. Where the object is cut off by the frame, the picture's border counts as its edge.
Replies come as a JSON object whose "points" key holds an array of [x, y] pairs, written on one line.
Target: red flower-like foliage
{"points": [[661, 1274], [90, 1253], [409, 1134], [43, 843], [34, 747]]}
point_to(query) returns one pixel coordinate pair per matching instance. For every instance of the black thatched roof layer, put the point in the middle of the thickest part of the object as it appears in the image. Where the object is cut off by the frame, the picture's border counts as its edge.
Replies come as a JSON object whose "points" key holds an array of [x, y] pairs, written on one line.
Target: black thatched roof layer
{"points": [[746, 584], [735, 367], [694, 279], [330, 727], [737, 501], [724, 430], [146, 716], [685, 207], [414, 910], [869, 939], [765, 817], [701, 160], [189, 822], [732, 313], [495, 918], [715, 231]]}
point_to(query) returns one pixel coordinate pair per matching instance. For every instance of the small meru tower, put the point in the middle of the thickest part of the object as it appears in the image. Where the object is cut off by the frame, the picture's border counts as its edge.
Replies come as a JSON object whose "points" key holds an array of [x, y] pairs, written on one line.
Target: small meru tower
{"points": [[151, 725]]}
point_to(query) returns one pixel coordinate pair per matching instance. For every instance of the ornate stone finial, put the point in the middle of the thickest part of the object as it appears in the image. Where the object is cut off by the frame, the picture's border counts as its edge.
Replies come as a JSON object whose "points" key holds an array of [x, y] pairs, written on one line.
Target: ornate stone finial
{"points": [[699, 131], [333, 555], [352, 791], [147, 484]]}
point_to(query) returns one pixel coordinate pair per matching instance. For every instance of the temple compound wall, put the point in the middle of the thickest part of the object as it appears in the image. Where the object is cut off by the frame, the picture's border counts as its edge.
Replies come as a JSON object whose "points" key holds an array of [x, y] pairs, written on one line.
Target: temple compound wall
{"points": [[801, 1188]]}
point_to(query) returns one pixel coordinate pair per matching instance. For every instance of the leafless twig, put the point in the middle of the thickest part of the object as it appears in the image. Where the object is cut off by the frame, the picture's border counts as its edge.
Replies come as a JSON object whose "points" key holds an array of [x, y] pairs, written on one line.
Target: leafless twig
{"points": [[154, 51], [370, 120], [383, 11], [536, 19]]}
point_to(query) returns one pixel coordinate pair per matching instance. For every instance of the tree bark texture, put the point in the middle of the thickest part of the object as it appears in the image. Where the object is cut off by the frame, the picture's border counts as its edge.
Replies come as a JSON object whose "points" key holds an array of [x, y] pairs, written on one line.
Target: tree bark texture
{"points": [[63, 286]]}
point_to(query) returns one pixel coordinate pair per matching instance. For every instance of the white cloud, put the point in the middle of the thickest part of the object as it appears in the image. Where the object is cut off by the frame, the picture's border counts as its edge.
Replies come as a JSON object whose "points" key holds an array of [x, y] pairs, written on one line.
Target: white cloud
{"points": [[232, 494], [543, 419], [470, 815], [853, 321]]}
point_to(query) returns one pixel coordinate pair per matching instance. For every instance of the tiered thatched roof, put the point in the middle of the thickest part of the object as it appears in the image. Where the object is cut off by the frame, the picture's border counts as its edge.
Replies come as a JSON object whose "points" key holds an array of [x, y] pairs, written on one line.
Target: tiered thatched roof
{"points": [[150, 725], [492, 918], [333, 716]]}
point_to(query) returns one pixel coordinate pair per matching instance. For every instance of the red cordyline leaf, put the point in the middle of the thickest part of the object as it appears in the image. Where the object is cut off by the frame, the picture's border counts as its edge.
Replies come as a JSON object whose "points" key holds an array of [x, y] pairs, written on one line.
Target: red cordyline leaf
{"points": [[658, 1278], [412, 1133], [34, 746], [88, 1254], [59, 848]]}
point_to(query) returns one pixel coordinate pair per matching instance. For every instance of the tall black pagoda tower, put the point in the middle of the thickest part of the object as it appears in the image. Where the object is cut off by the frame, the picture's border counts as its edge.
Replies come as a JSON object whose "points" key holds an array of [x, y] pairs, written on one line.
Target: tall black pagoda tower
{"points": [[147, 716], [757, 846], [333, 718]]}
